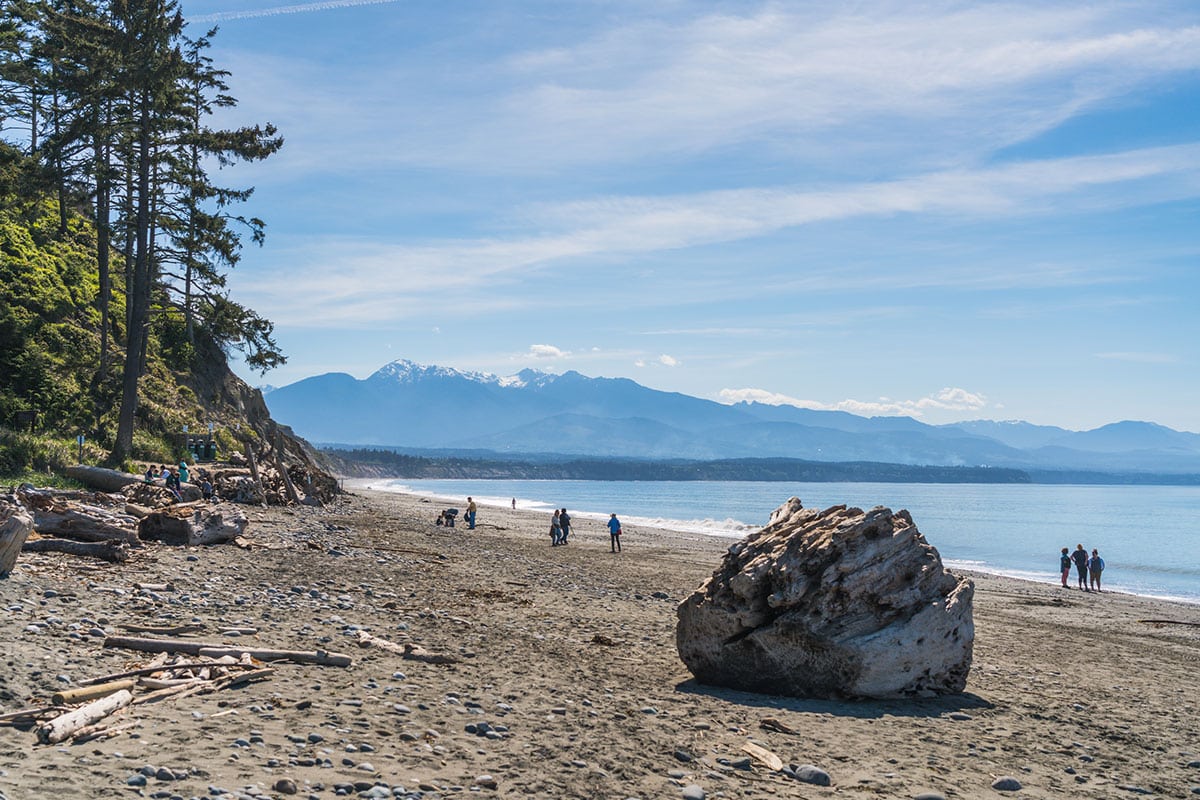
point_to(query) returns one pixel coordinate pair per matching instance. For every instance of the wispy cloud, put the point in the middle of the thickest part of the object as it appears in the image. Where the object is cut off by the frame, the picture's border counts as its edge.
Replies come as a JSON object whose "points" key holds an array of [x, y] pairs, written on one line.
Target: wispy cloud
{"points": [[948, 399], [304, 8], [378, 281]]}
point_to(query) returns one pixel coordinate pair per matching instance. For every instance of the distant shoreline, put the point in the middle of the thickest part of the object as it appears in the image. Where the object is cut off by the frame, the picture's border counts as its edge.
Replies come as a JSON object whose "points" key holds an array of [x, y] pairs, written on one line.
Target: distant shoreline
{"points": [[381, 462]]}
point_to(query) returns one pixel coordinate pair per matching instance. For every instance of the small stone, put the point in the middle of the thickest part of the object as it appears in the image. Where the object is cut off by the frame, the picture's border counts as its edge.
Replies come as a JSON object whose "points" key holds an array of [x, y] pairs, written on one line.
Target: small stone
{"points": [[684, 756], [486, 781], [1006, 783], [1133, 789], [693, 792], [286, 786], [807, 773], [136, 780], [930, 796], [958, 716]]}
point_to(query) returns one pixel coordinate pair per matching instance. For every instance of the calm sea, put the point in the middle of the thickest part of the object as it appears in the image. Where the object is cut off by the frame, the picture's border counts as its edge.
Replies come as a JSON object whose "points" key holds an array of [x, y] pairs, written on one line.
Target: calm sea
{"points": [[1149, 536]]}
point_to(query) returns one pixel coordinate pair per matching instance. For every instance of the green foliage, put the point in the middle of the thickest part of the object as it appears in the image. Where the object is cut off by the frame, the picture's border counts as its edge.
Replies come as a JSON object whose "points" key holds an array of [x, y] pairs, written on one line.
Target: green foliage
{"points": [[21, 452]]}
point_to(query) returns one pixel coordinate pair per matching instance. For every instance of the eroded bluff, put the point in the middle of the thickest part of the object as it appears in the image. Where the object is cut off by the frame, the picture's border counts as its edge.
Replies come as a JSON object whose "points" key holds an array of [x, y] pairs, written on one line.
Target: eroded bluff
{"points": [[833, 603]]}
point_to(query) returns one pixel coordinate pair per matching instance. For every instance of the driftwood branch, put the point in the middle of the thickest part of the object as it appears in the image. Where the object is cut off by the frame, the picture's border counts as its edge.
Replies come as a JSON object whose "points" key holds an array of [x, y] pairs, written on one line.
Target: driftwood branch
{"points": [[211, 650], [61, 728], [30, 713], [112, 550], [87, 693]]}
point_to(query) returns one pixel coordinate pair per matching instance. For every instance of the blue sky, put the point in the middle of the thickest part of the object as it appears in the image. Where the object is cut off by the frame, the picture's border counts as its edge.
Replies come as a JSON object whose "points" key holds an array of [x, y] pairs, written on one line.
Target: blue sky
{"points": [[948, 210]]}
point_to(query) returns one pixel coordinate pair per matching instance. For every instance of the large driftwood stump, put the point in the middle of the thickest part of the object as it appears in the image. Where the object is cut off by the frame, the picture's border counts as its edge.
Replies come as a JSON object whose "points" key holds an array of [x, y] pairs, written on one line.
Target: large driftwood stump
{"points": [[194, 524], [15, 526]]}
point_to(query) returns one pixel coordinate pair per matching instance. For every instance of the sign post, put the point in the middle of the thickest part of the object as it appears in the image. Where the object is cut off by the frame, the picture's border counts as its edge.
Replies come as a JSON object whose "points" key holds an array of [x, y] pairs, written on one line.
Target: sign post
{"points": [[79, 440]]}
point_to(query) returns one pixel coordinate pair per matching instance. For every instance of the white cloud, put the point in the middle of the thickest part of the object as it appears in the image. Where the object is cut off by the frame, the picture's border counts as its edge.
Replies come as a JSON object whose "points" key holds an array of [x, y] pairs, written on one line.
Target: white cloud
{"points": [[639, 363], [377, 282], [948, 399], [544, 351], [668, 361]]}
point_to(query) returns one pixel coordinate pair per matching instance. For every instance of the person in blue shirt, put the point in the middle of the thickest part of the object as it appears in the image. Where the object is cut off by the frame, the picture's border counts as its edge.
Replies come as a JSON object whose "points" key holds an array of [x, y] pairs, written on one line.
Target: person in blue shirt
{"points": [[1064, 566], [614, 533], [1095, 567]]}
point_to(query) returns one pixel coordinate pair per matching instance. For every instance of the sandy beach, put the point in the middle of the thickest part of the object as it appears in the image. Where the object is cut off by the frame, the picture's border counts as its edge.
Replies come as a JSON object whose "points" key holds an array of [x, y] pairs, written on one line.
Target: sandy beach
{"points": [[562, 679]]}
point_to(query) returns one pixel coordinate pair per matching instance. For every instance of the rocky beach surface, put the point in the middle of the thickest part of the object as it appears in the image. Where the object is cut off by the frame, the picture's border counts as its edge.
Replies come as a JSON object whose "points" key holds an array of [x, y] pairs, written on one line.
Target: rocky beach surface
{"points": [[489, 663]]}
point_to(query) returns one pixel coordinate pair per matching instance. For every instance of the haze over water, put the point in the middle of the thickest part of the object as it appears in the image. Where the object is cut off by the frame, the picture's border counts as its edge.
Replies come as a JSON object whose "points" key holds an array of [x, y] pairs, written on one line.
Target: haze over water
{"points": [[1149, 536]]}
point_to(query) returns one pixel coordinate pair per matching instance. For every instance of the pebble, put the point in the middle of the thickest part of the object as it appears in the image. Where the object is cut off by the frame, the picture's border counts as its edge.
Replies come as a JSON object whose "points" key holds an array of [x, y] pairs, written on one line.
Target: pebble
{"points": [[1006, 783], [684, 756], [1194, 764], [136, 780], [807, 773], [958, 716], [693, 792], [486, 781], [285, 786], [1133, 789], [930, 796]]}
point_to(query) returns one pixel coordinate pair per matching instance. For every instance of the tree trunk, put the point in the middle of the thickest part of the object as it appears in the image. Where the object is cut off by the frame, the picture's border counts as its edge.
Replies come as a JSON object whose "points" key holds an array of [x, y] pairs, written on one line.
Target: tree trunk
{"points": [[282, 467], [139, 291], [106, 480]]}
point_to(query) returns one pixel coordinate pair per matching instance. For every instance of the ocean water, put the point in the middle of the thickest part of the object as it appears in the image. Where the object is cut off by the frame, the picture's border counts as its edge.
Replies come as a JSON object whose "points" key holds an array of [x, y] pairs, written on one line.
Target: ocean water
{"points": [[1149, 536]]}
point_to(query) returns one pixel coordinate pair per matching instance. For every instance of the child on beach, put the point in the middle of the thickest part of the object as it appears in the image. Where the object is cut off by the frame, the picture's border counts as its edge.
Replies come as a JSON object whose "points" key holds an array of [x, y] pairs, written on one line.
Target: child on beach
{"points": [[1064, 566]]}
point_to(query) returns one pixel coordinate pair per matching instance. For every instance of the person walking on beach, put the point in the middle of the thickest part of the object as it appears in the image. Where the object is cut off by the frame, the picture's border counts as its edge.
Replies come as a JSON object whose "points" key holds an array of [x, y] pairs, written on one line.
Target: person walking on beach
{"points": [[470, 515], [564, 524], [1080, 557], [1095, 567], [514, 504], [614, 533], [1064, 566], [555, 530]]}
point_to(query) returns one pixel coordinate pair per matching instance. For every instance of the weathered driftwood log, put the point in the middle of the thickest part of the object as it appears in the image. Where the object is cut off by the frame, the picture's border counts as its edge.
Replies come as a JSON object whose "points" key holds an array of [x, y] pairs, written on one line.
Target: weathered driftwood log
{"points": [[106, 480], [86, 524], [112, 551], [85, 694], [210, 650], [24, 714], [257, 487], [195, 524], [15, 525], [319, 657], [61, 728]]}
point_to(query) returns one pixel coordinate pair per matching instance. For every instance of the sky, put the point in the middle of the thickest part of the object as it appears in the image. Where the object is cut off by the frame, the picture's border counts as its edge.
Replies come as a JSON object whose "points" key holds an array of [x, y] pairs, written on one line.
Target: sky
{"points": [[946, 210]]}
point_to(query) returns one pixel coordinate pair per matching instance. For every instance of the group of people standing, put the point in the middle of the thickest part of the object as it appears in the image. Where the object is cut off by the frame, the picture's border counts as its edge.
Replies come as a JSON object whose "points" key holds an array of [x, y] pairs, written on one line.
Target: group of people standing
{"points": [[1089, 568]]}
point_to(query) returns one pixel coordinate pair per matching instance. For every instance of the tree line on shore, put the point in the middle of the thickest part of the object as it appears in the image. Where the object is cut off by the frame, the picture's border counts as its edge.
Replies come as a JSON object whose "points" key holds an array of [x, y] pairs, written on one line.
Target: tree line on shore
{"points": [[116, 239], [389, 463]]}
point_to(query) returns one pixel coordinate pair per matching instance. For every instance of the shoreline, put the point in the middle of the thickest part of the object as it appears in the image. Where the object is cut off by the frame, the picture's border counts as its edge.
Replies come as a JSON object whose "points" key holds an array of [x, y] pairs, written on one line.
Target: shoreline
{"points": [[731, 535], [564, 658]]}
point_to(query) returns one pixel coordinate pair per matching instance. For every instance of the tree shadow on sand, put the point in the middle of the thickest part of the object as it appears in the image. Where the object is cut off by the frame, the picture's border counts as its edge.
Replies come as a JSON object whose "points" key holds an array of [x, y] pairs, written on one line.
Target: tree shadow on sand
{"points": [[858, 708]]}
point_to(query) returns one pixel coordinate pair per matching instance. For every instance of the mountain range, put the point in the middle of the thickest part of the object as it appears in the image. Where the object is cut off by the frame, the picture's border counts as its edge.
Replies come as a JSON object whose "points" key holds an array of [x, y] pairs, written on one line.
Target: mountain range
{"points": [[408, 405]]}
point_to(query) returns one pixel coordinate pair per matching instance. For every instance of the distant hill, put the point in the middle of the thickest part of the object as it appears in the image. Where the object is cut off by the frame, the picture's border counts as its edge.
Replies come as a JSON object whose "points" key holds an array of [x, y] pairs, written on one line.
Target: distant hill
{"points": [[408, 405]]}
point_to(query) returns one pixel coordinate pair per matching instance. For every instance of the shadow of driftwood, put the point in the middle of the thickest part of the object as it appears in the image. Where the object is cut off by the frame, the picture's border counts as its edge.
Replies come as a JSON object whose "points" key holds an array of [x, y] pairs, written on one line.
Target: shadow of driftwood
{"points": [[862, 709]]}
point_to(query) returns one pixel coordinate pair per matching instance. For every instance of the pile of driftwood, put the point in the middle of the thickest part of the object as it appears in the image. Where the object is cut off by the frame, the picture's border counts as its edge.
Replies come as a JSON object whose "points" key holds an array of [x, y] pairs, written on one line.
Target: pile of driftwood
{"points": [[181, 668], [107, 526]]}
